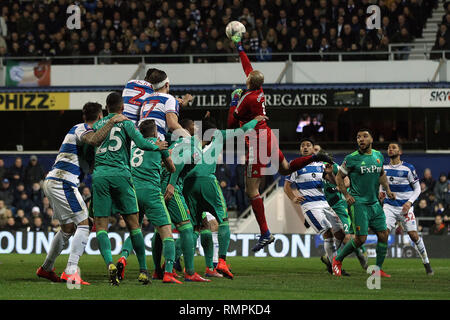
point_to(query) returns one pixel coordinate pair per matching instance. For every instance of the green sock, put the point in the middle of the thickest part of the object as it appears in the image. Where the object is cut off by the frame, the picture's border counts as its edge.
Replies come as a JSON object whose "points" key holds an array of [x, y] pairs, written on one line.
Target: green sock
{"points": [[157, 251], [169, 253], [104, 244], [137, 240], [348, 248], [194, 239], [127, 247], [224, 239], [178, 249], [363, 248], [208, 247], [381, 253], [187, 246]]}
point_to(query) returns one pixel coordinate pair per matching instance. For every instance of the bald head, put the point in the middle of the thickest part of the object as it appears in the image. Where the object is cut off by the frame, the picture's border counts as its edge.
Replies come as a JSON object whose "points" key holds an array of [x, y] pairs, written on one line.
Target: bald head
{"points": [[255, 80]]}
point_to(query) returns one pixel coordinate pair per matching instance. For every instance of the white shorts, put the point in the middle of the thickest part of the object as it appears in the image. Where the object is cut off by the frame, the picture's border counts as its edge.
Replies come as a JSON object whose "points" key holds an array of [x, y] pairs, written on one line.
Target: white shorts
{"points": [[323, 219], [395, 214], [65, 199]]}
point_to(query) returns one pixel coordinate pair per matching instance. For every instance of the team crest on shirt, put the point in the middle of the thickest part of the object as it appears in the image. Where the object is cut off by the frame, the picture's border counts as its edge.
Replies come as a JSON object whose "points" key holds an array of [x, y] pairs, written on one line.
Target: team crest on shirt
{"points": [[313, 175], [378, 161], [391, 179]]}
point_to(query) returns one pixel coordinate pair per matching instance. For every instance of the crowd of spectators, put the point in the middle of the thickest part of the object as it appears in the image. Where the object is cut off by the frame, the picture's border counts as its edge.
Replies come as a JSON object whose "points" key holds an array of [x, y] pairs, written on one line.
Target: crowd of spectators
{"points": [[110, 28], [443, 35], [24, 207]]}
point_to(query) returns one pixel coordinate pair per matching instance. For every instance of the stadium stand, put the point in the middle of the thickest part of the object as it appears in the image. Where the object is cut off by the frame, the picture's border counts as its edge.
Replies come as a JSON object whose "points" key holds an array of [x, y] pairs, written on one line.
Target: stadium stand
{"points": [[111, 29]]}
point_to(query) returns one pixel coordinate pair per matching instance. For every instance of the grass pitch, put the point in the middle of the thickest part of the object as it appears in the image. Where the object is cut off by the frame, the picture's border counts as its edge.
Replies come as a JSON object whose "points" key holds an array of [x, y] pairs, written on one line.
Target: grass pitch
{"points": [[255, 278]]}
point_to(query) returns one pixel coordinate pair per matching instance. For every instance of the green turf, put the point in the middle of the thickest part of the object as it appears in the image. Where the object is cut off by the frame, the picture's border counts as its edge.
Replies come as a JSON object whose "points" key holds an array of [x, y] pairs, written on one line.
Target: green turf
{"points": [[255, 278]]}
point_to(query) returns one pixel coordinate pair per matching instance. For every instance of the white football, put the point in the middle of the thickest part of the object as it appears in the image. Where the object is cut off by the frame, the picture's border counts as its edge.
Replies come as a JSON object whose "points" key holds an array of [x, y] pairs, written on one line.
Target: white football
{"points": [[233, 28]]}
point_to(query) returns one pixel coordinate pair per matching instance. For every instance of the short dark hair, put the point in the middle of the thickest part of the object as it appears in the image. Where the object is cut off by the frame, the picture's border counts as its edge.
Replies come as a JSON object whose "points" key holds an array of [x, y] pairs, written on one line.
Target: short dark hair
{"points": [[91, 111], [157, 76], [184, 123], [149, 73], [147, 128], [397, 143], [307, 139], [363, 130], [114, 102], [206, 125]]}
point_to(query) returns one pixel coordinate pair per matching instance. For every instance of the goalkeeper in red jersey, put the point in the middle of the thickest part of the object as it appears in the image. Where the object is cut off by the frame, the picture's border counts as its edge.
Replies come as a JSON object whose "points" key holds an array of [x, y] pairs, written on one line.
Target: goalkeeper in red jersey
{"points": [[245, 106]]}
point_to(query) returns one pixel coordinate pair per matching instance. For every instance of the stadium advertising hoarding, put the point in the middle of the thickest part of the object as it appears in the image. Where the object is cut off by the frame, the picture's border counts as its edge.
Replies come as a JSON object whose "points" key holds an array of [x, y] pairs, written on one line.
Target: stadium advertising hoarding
{"points": [[285, 245], [203, 99], [34, 101], [410, 98]]}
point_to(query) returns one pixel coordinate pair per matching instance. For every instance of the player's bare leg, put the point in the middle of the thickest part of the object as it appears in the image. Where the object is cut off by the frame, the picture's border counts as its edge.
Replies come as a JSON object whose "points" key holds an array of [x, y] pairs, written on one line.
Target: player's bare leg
{"points": [[421, 250]]}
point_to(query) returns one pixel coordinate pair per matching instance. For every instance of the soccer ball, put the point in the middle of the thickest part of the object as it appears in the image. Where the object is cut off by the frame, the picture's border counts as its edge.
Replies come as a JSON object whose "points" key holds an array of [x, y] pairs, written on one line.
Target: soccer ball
{"points": [[234, 28]]}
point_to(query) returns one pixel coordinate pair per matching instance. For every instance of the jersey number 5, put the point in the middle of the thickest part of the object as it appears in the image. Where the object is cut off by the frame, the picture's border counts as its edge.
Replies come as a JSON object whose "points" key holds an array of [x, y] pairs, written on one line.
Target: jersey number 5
{"points": [[112, 137]]}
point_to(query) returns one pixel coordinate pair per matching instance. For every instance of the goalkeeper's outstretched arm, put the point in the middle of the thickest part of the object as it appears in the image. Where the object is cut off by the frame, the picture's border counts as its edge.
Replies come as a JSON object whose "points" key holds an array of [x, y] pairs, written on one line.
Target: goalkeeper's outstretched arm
{"points": [[246, 65]]}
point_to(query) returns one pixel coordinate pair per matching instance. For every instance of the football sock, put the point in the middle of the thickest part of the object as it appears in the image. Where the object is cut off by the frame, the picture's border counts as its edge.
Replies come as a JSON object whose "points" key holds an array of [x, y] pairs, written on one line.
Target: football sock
{"points": [[330, 249], [300, 163], [157, 251], [208, 247], [381, 253], [258, 209], [348, 248], [137, 239], [224, 239], [59, 241], [76, 251], [216, 247], [104, 245], [169, 253], [127, 247], [420, 248], [187, 246], [195, 239]]}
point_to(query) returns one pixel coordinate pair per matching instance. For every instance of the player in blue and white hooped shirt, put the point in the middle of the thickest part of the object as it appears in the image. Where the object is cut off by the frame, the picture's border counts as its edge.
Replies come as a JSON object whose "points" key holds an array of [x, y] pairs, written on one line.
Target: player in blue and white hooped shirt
{"points": [[134, 94], [305, 187], [61, 188], [163, 107], [403, 180]]}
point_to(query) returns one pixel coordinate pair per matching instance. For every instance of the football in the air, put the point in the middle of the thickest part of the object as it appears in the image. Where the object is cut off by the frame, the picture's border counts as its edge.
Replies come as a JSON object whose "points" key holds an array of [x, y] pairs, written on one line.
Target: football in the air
{"points": [[234, 28]]}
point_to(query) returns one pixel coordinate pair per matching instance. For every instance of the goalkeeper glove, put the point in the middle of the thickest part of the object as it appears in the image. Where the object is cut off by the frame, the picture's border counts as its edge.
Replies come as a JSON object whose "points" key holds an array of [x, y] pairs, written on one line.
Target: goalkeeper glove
{"points": [[323, 157], [236, 38], [235, 97]]}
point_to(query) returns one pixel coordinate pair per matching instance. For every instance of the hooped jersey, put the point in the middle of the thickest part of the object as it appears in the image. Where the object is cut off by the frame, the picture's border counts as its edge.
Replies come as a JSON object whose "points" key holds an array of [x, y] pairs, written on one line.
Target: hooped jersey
{"points": [[155, 107], [309, 182], [134, 94], [401, 179]]}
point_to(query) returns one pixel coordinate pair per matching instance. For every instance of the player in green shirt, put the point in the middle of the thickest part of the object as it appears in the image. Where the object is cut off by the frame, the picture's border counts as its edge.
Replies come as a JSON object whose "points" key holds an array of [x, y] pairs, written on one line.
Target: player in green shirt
{"points": [[364, 168], [201, 188], [146, 173], [112, 183], [337, 202]]}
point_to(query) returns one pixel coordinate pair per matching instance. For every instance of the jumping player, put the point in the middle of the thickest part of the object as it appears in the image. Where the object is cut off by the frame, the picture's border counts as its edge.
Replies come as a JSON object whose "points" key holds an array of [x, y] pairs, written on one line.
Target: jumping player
{"points": [[364, 168], [112, 184], [244, 107], [404, 182], [61, 188]]}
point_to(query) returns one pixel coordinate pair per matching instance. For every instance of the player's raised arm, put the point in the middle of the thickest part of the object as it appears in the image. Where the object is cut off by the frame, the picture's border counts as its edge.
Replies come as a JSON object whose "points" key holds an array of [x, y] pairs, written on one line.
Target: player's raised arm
{"points": [[246, 64], [233, 122], [174, 125], [96, 138]]}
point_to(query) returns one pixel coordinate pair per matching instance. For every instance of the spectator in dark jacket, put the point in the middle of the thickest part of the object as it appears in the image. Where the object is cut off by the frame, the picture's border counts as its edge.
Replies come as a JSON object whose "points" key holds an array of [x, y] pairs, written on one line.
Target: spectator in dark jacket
{"points": [[36, 194], [223, 175], [34, 171], [10, 225], [439, 228], [441, 187], [422, 209], [25, 204], [16, 173], [18, 190], [38, 225], [428, 179], [6, 193]]}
